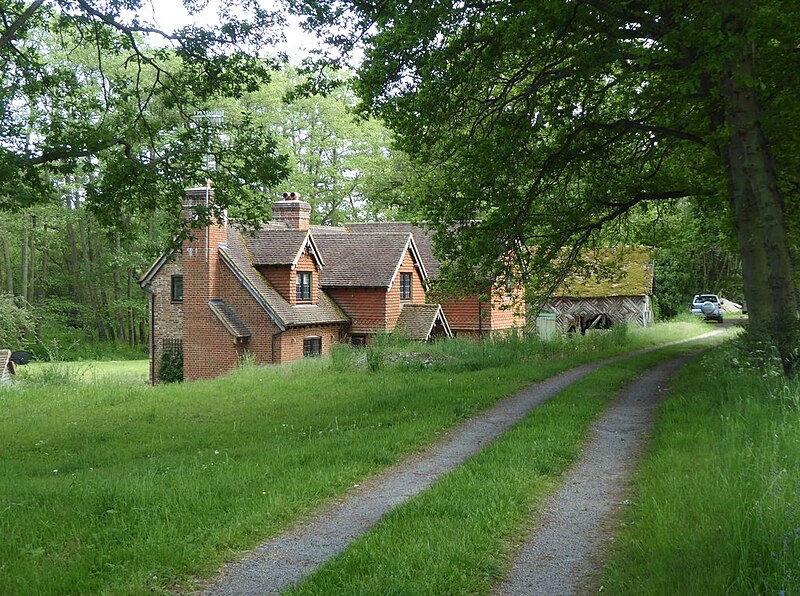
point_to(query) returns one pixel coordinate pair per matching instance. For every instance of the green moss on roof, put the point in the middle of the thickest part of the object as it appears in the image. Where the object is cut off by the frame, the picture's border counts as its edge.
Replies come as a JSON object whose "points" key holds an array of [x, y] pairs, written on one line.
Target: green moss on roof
{"points": [[622, 271]]}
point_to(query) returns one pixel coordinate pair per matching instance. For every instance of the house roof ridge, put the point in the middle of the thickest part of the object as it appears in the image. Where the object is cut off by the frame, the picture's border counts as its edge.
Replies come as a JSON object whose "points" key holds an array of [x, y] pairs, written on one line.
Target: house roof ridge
{"points": [[395, 233]]}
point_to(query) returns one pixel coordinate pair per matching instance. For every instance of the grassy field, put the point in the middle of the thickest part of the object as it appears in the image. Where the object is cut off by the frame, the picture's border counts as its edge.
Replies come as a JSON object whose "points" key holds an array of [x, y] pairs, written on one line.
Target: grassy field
{"points": [[114, 486], [100, 371], [718, 506]]}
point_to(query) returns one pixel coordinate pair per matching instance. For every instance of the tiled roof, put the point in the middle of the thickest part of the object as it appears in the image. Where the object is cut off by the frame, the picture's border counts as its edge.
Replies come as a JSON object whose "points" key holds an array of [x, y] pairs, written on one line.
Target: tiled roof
{"points": [[361, 260], [226, 315], [272, 245], [237, 257], [417, 321], [423, 238]]}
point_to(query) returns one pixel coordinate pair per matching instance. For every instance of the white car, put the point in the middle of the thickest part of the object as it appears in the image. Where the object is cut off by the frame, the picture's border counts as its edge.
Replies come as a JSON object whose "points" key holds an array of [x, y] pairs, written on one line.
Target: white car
{"points": [[707, 306]]}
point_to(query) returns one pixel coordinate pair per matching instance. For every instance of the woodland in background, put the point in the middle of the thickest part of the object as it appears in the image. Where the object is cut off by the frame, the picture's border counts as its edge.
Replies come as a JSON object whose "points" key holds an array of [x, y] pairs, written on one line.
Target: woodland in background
{"points": [[76, 273], [541, 128]]}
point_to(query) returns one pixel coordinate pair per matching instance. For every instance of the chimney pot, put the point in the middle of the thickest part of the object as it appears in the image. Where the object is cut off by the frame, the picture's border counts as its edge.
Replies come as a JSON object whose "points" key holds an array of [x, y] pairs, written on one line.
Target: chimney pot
{"points": [[292, 211]]}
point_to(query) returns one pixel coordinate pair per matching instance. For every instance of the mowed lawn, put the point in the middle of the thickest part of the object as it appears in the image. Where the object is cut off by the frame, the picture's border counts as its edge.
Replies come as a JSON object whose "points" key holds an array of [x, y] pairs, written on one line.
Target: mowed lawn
{"points": [[115, 486]]}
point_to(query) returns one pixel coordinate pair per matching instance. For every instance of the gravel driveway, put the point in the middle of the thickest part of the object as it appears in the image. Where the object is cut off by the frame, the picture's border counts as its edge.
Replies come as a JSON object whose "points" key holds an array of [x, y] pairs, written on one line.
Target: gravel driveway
{"points": [[289, 557], [563, 554]]}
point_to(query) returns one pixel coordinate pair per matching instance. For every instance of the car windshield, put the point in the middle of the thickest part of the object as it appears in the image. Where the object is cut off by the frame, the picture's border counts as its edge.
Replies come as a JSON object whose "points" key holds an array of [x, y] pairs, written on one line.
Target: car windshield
{"points": [[706, 298]]}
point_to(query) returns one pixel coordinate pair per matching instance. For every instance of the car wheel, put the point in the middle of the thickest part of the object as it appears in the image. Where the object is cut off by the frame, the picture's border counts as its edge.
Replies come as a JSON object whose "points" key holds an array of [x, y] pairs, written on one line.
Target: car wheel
{"points": [[719, 318]]}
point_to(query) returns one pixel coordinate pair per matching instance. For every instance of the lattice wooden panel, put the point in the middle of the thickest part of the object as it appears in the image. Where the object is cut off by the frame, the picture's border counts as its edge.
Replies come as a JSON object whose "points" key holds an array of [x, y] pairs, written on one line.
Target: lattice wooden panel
{"points": [[620, 309]]}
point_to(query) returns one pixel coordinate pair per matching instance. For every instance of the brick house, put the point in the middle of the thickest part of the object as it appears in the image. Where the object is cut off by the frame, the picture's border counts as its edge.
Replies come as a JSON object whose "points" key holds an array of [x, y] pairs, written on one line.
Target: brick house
{"points": [[499, 312], [287, 291]]}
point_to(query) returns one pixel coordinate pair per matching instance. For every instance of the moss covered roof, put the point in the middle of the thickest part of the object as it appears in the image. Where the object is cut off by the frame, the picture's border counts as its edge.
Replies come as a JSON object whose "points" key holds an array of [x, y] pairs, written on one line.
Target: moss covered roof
{"points": [[619, 271]]}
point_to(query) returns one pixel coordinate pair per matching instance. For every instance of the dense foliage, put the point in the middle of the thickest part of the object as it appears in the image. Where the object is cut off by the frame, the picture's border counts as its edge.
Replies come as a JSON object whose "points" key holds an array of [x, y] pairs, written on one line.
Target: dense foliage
{"points": [[85, 96], [542, 125], [15, 321], [170, 368]]}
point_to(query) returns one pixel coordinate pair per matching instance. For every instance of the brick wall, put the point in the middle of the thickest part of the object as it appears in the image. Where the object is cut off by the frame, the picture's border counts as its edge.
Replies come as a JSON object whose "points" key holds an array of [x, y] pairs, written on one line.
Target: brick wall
{"points": [[393, 302], [208, 348], [462, 315], [366, 307], [290, 342], [168, 316], [508, 312]]}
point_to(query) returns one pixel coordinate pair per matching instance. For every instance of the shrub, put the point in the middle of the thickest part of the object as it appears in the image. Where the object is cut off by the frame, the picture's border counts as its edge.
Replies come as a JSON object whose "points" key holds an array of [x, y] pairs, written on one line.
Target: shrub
{"points": [[343, 357], [15, 320], [171, 366], [376, 356], [246, 360]]}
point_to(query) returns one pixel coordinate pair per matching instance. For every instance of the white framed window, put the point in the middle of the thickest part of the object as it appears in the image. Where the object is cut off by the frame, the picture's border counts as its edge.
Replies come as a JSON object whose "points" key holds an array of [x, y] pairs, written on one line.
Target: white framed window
{"points": [[405, 286], [303, 285]]}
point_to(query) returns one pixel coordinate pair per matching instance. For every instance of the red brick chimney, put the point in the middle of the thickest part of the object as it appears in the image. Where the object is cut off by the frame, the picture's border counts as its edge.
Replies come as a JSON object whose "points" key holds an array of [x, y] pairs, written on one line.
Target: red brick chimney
{"points": [[200, 266], [292, 211]]}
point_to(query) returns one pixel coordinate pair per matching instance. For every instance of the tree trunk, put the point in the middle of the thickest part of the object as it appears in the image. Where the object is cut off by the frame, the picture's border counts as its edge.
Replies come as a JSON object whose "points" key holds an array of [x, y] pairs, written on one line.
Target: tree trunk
{"points": [[758, 207], [119, 321], [23, 290], [44, 265], [7, 264], [32, 264], [131, 311], [91, 289], [74, 263]]}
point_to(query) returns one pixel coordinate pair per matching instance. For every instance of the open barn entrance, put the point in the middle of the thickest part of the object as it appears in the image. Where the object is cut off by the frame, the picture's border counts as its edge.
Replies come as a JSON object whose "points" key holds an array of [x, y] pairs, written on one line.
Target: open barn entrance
{"points": [[583, 323]]}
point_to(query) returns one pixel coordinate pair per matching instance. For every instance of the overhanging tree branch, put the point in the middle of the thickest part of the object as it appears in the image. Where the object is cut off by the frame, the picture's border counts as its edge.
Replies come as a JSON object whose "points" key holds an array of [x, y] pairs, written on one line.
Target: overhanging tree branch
{"points": [[10, 33]]}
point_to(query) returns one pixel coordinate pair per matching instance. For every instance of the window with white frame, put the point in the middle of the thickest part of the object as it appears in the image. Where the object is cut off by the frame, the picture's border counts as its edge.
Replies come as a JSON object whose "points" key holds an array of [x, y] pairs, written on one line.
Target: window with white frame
{"points": [[303, 285], [405, 286]]}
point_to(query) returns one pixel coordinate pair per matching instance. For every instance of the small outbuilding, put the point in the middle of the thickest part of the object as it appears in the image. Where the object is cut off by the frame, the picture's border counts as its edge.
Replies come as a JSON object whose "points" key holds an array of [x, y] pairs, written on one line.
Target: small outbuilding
{"points": [[623, 294], [7, 367]]}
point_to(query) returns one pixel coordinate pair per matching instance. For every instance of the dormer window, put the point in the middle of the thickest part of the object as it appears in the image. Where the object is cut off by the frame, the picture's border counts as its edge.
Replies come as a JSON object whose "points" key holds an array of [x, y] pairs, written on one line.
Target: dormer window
{"points": [[405, 286], [303, 286]]}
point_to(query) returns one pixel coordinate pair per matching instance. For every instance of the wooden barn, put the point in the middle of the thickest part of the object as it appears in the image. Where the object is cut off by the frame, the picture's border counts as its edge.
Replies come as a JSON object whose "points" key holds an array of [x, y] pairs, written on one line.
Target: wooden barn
{"points": [[624, 294]]}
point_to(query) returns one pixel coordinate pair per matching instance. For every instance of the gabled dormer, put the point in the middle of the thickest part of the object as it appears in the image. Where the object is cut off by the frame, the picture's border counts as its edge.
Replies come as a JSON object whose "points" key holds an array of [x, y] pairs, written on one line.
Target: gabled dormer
{"points": [[289, 260], [409, 279]]}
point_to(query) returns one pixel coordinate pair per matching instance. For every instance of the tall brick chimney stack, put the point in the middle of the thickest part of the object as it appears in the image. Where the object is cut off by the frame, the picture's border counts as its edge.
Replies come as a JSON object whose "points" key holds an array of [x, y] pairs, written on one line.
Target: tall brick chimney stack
{"points": [[292, 211], [200, 266]]}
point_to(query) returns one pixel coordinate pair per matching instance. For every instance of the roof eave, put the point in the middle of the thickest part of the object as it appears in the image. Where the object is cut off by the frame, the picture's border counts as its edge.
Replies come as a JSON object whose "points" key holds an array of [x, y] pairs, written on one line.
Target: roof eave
{"points": [[410, 245], [147, 278], [239, 274]]}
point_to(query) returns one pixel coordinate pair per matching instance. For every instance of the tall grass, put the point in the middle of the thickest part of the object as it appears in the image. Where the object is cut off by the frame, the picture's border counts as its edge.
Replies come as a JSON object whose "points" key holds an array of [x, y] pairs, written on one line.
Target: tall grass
{"points": [[718, 506], [118, 487], [460, 354], [57, 372]]}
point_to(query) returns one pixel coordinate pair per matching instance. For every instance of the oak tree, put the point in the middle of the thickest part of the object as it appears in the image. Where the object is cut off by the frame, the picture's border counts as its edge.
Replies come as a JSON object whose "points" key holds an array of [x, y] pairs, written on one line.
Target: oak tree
{"points": [[542, 123]]}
